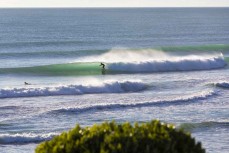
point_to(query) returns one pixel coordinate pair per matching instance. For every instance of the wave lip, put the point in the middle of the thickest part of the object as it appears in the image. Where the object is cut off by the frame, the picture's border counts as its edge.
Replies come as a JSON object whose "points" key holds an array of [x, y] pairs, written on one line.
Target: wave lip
{"points": [[104, 87], [174, 64], [25, 138]]}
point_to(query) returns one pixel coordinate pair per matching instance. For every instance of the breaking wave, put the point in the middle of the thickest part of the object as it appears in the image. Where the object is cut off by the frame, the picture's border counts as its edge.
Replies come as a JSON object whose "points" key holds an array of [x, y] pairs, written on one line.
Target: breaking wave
{"points": [[97, 87], [186, 63], [222, 84], [134, 62], [25, 138]]}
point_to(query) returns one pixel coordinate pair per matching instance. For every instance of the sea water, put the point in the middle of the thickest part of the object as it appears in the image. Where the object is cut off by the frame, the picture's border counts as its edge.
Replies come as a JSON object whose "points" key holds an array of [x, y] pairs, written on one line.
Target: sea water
{"points": [[169, 64]]}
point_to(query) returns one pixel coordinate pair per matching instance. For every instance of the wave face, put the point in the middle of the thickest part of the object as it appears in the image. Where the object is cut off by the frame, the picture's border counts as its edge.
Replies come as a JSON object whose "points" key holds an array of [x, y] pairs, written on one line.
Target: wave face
{"points": [[68, 69], [104, 87], [25, 138]]}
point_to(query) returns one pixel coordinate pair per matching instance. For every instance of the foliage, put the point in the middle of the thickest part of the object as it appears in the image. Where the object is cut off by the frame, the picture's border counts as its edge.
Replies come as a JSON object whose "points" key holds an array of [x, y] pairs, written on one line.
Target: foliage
{"points": [[152, 137]]}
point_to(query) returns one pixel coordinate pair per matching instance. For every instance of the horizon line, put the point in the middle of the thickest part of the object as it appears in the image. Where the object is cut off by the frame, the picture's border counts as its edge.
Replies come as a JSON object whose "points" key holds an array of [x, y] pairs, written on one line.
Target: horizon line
{"points": [[95, 7]]}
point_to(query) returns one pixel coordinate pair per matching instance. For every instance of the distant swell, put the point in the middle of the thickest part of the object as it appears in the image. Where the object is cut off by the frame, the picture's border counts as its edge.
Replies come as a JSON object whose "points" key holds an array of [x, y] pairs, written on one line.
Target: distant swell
{"points": [[104, 87], [180, 100], [77, 53], [175, 64], [25, 138]]}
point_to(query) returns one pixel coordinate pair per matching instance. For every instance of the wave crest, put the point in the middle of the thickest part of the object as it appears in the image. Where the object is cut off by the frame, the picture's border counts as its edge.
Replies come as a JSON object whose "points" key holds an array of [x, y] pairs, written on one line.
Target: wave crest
{"points": [[104, 87], [222, 84], [188, 63], [25, 138]]}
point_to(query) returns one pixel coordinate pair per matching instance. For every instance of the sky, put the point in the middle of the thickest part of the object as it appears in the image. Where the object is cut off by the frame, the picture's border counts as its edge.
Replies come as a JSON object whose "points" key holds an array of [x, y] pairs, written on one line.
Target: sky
{"points": [[114, 3]]}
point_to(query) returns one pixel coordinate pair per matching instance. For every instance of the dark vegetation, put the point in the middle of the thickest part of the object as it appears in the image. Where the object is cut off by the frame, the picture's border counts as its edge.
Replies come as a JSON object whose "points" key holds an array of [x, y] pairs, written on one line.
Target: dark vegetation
{"points": [[152, 137]]}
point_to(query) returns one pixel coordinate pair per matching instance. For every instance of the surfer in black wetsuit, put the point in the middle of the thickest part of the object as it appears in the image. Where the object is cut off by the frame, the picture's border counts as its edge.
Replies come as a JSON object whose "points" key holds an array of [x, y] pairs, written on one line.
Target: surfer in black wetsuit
{"points": [[103, 65], [103, 68]]}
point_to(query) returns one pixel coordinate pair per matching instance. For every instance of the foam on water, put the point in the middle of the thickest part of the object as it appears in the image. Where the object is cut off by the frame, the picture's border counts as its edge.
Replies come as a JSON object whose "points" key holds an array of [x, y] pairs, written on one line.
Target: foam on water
{"points": [[20, 138], [183, 63], [222, 84], [179, 100], [93, 88]]}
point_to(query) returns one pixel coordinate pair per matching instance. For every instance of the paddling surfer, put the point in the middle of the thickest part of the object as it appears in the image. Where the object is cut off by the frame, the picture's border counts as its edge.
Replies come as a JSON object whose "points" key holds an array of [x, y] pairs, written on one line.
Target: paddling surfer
{"points": [[27, 83]]}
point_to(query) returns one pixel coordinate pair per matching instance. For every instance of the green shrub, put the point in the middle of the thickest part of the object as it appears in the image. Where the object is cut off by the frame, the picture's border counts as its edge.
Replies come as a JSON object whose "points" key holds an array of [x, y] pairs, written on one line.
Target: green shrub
{"points": [[152, 137]]}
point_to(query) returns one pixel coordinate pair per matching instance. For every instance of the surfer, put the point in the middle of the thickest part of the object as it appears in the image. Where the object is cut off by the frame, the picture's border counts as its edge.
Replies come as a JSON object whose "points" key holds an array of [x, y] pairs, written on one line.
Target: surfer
{"points": [[26, 83], [103, 68], [103, 65]]}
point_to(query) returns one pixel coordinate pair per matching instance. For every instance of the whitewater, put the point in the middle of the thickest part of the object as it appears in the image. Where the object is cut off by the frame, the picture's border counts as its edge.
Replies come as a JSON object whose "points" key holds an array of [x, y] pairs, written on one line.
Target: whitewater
{"points": [[169, 64], [165, 63], [96, 87]]}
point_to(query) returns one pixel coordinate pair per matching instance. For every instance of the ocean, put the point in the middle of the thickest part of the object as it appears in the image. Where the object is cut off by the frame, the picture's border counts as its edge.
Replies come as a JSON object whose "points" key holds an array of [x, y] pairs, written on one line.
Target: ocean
{"points": [[169, 64]]}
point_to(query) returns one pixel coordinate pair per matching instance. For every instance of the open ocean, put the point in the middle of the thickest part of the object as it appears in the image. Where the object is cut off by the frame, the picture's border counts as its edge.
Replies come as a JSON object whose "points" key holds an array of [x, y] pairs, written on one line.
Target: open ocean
{"points": [[169, 64]]}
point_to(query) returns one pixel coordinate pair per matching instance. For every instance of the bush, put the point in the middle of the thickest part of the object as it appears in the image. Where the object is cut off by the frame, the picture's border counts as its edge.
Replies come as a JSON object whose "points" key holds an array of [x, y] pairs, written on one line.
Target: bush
{"points": [[152, 137]]}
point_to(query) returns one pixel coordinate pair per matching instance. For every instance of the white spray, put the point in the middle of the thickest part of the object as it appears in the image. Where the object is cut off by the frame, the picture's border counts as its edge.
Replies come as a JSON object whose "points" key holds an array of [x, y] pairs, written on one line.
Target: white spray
{"points": [[149, 60]]}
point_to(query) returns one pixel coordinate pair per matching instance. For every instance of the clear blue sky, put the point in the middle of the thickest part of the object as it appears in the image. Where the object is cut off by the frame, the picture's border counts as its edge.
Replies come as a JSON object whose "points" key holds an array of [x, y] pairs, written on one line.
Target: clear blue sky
{"points": [[114, 3]]}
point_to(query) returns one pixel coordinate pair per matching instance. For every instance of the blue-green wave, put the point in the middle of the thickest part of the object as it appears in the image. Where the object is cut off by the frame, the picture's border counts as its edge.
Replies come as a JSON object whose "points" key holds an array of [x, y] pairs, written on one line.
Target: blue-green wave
{"points": [[144, 66], [57, 69], [93, 68]]}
